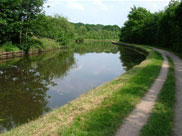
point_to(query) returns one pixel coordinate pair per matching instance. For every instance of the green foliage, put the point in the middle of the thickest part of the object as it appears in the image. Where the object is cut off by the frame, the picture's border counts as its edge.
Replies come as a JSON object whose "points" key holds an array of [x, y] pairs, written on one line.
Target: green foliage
{"points": [[90, 31], [21, 20], [46, 44], [8, 47], [57, 28], [17, 18], [163, 28], [79, 39], [96, 47]]}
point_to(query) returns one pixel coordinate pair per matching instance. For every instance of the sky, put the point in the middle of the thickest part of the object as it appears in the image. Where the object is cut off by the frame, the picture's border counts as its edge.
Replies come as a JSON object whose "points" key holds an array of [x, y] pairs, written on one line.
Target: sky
{"points": [[107, 12]]}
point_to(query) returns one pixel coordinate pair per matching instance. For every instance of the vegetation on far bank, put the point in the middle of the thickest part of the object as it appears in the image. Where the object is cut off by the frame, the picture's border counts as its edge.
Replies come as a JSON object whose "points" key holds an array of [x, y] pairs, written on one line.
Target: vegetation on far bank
{"points": [[36, 43], [101, 110], [22, 20], [6, 47], [99, 32], [51, 44], [160, 122], [162, 29], [45, 43]]}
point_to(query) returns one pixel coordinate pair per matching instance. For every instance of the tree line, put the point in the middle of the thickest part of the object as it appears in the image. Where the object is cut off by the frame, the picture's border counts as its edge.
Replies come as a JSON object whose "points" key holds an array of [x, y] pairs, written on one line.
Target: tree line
{"points": [[23, 22], [163, 28], [90, 31]]}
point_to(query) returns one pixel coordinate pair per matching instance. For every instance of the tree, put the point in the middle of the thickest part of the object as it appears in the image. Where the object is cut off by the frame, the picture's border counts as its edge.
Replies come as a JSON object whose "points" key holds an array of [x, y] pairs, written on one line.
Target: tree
{"points": [[17, 20], [133, 27], [163, 28]]}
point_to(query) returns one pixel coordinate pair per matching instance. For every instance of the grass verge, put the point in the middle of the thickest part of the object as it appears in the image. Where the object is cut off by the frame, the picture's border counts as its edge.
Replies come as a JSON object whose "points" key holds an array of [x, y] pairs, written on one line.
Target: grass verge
{"points": [[161, 121], [101, 110], [42, 43]]}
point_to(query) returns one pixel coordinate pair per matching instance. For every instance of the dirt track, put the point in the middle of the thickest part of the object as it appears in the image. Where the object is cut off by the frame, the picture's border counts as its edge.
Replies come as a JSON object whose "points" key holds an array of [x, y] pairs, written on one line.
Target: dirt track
{"points": [[139, 116]]}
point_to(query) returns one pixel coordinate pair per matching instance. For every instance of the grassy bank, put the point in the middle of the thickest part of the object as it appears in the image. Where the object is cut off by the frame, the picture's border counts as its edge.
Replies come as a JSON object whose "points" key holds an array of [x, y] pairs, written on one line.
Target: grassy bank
{"points": [[99, 111], [6, 47], [159, 47], [105, 40], [41, 43], [161, 121], [46, 44]]}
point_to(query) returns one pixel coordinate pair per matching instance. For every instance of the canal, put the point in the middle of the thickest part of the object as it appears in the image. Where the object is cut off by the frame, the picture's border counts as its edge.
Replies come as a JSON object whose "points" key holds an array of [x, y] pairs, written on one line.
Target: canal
{"points": [[34, 85]]}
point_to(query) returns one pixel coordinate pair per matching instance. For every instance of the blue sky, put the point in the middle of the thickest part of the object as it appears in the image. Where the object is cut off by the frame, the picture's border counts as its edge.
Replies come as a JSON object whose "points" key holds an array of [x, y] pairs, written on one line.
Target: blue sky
{"points": [[107, 12]]}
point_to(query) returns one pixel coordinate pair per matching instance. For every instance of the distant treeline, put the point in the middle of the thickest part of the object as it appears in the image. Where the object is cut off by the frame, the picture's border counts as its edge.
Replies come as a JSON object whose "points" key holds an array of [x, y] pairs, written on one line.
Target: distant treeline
{"points": [[90, 31], [22, 22], [162, 28]]}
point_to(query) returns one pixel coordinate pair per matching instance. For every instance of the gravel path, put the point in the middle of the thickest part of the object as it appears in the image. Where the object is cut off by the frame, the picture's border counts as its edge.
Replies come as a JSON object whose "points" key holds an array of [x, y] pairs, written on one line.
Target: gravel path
{"points": [[178, 107], [139, 116]]}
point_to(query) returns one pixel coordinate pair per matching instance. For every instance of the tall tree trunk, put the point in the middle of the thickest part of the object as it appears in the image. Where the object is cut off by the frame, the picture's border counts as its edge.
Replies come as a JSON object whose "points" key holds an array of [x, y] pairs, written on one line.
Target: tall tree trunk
{"points": [[20, 37], [26, 36]]}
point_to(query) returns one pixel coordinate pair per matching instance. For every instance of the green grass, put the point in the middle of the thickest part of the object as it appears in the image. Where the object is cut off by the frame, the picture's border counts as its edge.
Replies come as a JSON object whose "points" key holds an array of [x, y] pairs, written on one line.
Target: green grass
{"points": [[161, 121], [46, 44], [106, 118], [99, 111], [38, 43], [6, 47]]}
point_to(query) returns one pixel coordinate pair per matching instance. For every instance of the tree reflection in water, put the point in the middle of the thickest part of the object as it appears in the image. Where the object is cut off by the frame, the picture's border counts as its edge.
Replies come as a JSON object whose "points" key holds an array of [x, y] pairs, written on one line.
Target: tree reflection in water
{"points": [[23, 86], [130, 58]]}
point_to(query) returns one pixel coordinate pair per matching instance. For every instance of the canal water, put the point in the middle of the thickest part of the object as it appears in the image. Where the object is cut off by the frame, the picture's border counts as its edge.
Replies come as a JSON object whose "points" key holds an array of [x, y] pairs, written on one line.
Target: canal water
{"points": [[34, 85]]}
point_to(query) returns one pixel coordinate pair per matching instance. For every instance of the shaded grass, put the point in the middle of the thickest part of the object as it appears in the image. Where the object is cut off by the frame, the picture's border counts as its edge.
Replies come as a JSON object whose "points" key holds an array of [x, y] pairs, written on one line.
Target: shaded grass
{"points": [[99, 111], [46, 44], [161, 121], [108, 116], [37, 43], [6, 47], [156, 46]]}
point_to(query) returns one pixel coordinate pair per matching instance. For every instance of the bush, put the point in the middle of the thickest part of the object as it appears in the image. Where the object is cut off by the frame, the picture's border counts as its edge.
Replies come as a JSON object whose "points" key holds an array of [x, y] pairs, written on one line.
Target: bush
{"points": [[79, 40], [8, 46]]}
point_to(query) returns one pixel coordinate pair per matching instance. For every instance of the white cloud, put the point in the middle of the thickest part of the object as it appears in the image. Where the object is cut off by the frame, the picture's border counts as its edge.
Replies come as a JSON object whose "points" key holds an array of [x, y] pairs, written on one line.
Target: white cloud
{"points": [[111, 0], [100, 4], [100, 11], [74, 4]]}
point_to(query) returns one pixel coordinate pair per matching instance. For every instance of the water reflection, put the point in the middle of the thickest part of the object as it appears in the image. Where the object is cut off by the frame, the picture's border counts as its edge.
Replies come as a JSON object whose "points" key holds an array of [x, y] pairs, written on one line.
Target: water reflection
{"points": [[96, 47], [24, 86], [32, 86], [130, 58]]}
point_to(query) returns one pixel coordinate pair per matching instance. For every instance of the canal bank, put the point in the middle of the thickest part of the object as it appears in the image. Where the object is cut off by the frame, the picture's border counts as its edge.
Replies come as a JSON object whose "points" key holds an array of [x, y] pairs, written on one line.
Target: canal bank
{"points": [[44, 45]]}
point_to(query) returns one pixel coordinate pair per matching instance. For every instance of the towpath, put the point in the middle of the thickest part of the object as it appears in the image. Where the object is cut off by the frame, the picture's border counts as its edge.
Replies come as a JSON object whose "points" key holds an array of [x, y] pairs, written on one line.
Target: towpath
{"points": [[139, 116]]}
